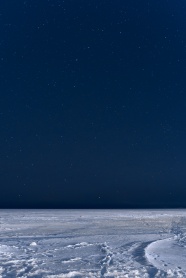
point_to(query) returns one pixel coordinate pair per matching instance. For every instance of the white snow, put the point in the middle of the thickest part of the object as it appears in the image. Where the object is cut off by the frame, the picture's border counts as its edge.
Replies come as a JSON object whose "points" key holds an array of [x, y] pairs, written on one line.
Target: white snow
{"points": [[33, 243], [92, 243], [66, 275], [168, 256], [71, 260]]}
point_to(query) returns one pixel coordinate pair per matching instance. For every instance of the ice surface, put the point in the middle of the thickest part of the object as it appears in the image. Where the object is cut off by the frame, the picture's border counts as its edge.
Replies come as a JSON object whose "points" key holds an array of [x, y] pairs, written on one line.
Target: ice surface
{"points": [[92, 243]]}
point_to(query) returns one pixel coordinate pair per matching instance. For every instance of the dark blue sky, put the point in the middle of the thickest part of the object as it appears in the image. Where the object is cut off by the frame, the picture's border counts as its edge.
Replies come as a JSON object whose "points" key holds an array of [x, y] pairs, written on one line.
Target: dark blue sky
{"points": [[92, 103]]}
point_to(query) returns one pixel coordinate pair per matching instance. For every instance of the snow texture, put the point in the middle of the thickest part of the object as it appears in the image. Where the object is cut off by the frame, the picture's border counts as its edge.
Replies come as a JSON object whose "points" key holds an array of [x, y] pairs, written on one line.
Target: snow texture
{"points": [[92, 243]]}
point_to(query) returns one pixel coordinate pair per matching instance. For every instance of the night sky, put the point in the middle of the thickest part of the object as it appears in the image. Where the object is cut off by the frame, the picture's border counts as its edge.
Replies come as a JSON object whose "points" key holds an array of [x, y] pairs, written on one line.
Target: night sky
{"points": [[92, 104]]}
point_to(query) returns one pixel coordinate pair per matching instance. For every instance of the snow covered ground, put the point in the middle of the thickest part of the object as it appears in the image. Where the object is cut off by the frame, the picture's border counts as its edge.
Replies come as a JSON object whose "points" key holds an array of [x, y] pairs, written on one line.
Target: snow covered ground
{"points": [[92, 243]]}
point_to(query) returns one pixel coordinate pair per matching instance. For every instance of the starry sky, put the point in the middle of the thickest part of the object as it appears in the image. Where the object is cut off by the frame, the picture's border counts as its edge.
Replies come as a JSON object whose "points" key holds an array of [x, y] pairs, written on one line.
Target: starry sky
{"points": [[92, 104]]}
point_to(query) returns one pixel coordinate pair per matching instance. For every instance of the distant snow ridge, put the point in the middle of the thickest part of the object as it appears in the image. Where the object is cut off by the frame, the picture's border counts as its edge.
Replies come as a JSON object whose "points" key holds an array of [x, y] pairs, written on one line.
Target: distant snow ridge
{"points": [[181, 239], [178, 229]]}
